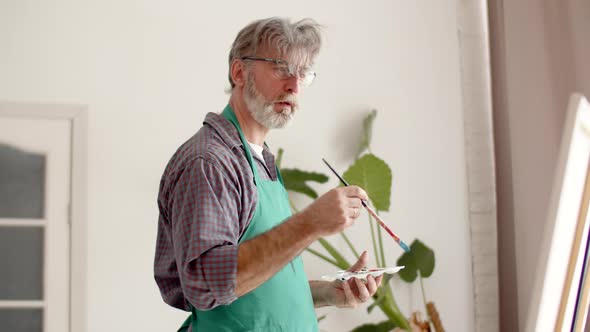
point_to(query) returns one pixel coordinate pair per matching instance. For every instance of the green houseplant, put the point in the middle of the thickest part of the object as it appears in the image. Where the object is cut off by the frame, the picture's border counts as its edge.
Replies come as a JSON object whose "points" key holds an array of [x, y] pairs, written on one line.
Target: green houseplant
{"points": [[373, 175]]}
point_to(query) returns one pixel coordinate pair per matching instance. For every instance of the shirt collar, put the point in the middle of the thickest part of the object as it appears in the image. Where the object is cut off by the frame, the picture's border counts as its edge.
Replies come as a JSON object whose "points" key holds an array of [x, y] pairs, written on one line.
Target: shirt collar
{"points": [[225, 129], [228, 132]]}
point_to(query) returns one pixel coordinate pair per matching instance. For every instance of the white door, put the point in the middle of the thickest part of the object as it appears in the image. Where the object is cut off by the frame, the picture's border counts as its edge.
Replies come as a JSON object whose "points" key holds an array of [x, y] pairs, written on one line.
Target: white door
{"points": [[35, 166]]}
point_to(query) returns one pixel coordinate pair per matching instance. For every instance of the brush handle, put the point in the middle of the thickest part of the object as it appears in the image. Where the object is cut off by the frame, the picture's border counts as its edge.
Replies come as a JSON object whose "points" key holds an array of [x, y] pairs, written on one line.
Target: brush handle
{"points": [[335, 173], [342, 180], [401, 243], [382, 223]]}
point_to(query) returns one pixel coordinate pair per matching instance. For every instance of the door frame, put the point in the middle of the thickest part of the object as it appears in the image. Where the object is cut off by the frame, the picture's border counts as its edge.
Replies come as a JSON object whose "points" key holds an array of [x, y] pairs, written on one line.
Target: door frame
{"points": [[78, 116]]}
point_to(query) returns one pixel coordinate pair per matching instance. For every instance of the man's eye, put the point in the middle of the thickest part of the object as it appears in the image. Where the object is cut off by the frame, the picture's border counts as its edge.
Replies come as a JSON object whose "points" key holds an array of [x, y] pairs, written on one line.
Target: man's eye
{"points": [[283, 70]]}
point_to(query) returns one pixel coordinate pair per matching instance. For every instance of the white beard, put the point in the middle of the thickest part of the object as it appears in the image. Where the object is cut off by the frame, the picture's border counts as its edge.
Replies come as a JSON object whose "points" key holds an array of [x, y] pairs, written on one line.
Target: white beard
{"points": [[263, 111]]}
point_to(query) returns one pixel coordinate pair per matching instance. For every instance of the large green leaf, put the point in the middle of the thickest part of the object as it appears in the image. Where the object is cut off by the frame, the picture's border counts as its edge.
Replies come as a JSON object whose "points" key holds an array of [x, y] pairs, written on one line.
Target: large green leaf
{"points": [[424, 257], [384, 326], [420, 258], [409, 272], [295, 180], [374, 175], [367, 132]]}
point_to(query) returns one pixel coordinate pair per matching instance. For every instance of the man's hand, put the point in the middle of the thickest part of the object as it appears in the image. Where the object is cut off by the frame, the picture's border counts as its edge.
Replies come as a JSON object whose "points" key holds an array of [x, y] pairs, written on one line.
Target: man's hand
{"points": [[349, 293], [334, 211]]}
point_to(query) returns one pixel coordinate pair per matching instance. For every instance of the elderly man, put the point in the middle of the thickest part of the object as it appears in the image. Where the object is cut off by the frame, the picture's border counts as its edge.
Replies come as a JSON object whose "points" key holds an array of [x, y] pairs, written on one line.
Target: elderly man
{"points": [[228, 249]]}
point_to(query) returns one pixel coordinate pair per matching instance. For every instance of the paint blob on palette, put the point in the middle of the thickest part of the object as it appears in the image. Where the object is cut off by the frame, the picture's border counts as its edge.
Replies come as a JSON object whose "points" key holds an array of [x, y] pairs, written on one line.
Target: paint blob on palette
{"points": [[361, 274]]}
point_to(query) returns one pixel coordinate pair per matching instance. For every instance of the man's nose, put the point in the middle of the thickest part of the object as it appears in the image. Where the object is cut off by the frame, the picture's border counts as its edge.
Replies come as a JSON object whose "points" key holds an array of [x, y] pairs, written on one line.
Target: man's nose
{"points": [[292, 84]]}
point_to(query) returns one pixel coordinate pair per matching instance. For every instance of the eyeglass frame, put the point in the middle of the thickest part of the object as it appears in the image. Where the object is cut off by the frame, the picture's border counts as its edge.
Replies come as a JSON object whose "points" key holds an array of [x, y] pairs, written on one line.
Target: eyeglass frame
{"points": [[302, 77]]}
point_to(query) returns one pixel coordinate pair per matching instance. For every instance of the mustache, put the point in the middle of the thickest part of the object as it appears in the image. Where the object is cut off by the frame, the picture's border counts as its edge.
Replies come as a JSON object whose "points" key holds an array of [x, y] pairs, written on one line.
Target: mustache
{"points": [[288, 98]]}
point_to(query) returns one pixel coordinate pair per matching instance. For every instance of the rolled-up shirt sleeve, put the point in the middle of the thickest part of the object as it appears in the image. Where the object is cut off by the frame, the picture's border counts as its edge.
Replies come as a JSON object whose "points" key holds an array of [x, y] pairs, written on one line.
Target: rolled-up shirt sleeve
{"points": [[204, 215]]}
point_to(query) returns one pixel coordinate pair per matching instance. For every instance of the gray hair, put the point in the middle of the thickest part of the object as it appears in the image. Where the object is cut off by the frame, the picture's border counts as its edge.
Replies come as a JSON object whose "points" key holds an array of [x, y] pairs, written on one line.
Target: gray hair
{"points": [[277, 33]]}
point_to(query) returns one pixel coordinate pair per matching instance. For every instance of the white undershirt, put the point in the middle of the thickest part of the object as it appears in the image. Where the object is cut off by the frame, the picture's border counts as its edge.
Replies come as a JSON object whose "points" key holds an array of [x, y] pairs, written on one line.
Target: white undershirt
{"points": [[257, 149]]}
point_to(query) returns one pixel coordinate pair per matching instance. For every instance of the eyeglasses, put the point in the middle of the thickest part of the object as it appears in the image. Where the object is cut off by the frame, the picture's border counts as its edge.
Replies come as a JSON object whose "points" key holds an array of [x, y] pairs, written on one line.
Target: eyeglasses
{"points": [[283, 70]]}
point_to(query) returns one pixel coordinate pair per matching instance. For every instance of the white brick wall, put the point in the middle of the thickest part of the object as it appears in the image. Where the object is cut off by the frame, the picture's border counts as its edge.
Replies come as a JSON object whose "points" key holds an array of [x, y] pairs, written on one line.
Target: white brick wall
{"points": [[479, 157]]}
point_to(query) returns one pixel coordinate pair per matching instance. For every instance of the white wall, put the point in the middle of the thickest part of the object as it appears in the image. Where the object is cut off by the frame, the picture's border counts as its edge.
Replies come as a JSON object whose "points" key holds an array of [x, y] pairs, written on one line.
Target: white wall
{"points": [[149, 71]]}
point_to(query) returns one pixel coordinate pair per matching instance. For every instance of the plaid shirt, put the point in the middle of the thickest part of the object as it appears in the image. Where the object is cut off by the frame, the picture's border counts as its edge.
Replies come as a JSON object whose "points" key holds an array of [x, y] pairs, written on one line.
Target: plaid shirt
{"points": [[207, 198]]}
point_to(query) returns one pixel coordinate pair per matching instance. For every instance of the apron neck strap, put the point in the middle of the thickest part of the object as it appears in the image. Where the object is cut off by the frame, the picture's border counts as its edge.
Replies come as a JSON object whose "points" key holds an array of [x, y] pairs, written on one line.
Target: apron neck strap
{"points": [[229, 114]]}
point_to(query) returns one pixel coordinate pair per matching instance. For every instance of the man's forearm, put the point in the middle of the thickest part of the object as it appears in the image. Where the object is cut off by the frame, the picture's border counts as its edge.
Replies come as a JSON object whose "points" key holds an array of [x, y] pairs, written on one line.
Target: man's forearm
{"points": [[318, 293], [261, 257]]}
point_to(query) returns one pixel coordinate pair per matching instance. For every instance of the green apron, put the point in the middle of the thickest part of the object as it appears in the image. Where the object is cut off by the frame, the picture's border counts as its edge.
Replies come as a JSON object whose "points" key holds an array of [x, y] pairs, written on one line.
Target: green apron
{"points": [[284, 302]]}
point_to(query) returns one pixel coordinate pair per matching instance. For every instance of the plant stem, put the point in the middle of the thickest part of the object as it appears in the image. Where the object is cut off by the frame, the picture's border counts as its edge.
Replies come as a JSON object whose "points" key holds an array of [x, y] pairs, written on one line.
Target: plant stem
{"points": [[381, 247], [326, 258], [391, 310], [356, 254], [423, 294], [374, 243], [340, 260]]}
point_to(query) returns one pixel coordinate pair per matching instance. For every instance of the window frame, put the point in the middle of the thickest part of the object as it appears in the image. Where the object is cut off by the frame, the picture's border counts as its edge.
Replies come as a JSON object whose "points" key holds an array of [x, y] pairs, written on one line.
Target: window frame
{"points": [[78, 254]]}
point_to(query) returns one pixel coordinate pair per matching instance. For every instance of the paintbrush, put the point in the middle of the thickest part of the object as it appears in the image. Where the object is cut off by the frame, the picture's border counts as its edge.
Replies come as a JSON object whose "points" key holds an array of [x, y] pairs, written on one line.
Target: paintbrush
{"points": [[399, 241]]}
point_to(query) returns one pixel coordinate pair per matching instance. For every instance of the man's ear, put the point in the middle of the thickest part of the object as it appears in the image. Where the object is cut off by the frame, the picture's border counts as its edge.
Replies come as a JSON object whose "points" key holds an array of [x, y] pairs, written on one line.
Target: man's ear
{"points": [[238, 73]]}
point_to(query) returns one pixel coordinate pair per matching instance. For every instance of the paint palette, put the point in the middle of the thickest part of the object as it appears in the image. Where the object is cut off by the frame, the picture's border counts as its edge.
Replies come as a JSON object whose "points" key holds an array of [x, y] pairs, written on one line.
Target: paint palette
{"points": [[361, 274]]}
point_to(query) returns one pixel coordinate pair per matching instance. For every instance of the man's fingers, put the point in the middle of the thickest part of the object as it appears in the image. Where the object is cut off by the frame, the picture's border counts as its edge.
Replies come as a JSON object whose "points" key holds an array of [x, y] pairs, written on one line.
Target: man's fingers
{"points": [[363, 291], [349, 296], [354, 203], [378, 280], [355, 212], [357, 192], [362, 262], [371, 285]]}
